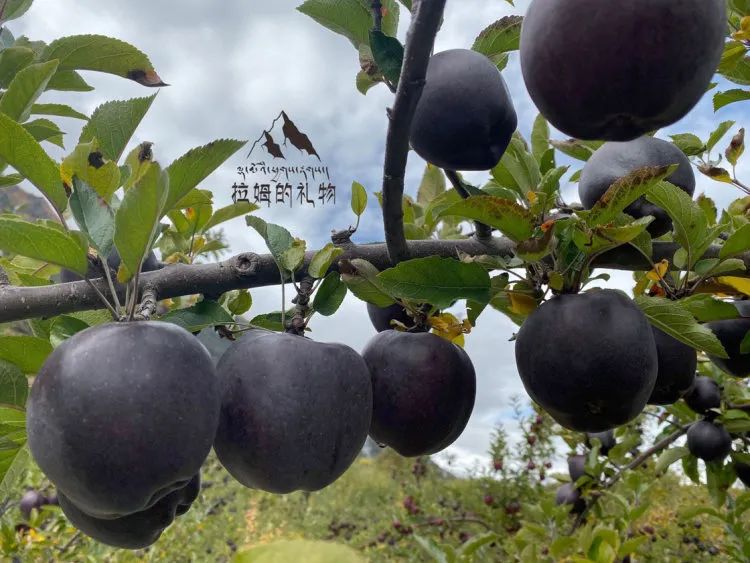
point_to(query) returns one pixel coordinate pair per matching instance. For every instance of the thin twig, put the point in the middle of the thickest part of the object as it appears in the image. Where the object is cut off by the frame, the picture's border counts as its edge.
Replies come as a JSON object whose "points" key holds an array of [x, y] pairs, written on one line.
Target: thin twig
{"points": [[377, 15], [105, 267], [458, 519], [482, 231], [70, 542], [115, 314], [420, 40], [637, 462], [61, 217]]}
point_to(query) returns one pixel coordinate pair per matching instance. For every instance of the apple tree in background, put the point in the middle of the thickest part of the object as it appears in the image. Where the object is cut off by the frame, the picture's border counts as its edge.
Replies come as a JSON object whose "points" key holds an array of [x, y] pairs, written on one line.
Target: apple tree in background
{"points": [[126, 404]]}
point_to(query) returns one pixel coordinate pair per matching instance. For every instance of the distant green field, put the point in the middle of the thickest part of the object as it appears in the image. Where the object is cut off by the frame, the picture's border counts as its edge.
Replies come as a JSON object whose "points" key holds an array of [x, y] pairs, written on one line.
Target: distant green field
{"points": [[368, 509]]}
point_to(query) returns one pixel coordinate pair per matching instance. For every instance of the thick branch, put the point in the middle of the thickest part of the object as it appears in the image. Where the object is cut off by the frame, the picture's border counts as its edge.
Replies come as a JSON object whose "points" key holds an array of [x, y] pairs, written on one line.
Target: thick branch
{"points": [[250, 270], [419, 44]]}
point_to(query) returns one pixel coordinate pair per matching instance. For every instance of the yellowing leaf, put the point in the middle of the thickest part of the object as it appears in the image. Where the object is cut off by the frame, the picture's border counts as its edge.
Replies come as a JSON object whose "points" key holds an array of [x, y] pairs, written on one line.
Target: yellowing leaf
{"points": [[659, 271], [522, 304], [740, 284], [450, 328], [87, 162]]}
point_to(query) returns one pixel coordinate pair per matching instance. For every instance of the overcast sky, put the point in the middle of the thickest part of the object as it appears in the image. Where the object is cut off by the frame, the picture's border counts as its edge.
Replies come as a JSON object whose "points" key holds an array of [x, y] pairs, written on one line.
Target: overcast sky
{"points": [[234, 65]]}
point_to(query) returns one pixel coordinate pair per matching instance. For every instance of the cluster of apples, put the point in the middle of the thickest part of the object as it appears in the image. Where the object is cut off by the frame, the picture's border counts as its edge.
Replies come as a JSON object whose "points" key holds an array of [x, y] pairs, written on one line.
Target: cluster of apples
{"points": [[122, 416], [591, 360]]}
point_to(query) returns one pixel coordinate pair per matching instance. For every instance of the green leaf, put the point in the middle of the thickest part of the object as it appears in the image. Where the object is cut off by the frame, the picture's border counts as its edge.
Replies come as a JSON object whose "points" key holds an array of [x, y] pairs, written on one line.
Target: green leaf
{"points": [[330, 295], [58, 110], [137, 219], [471, 547], [438, 281], [114, 123], [723, 99], [717, 135], [349, 18], [272, 321], [706, 308], [690, 221], [10, 180], [28, 353], [14, 9], [432, 185], [689, 144], [514, 221], [103, 54], [499, 38], [540, 138], [517, 169], [323, 259], [94, 217], [690, 467], [359, 198], [196, 165], [574, 149], [42, 242], [63, 327], [68, 81], [292, 258], [388, 54], [625, 191], [632, 545], [611, 236], [196, 198], [278, 239], [14, 387], [228, 213], [670, 456], [299, 550], [238, 301], [737, 243], [12, 61], [24, 90], [432, 549], [550, 184], [671, 317], [14, 458], [45, 130], [19, 149], [201, 315], [745, 344], [361, 278]]}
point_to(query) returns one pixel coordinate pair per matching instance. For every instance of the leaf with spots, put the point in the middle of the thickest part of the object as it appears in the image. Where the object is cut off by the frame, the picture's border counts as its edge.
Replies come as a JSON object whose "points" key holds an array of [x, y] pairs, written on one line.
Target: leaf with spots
{"points": [[103, 54]]}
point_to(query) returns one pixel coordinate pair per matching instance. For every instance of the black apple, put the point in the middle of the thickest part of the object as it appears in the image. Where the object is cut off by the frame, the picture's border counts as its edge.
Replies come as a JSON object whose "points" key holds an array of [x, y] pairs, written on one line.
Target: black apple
{"points": [[677, 363], [731, 333], [704, 395], [588, 359], [613, 161], [709, 441], [593, 83], [465, 117], [137, 530], [295, 412], [122, 414], [423, 391]]}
